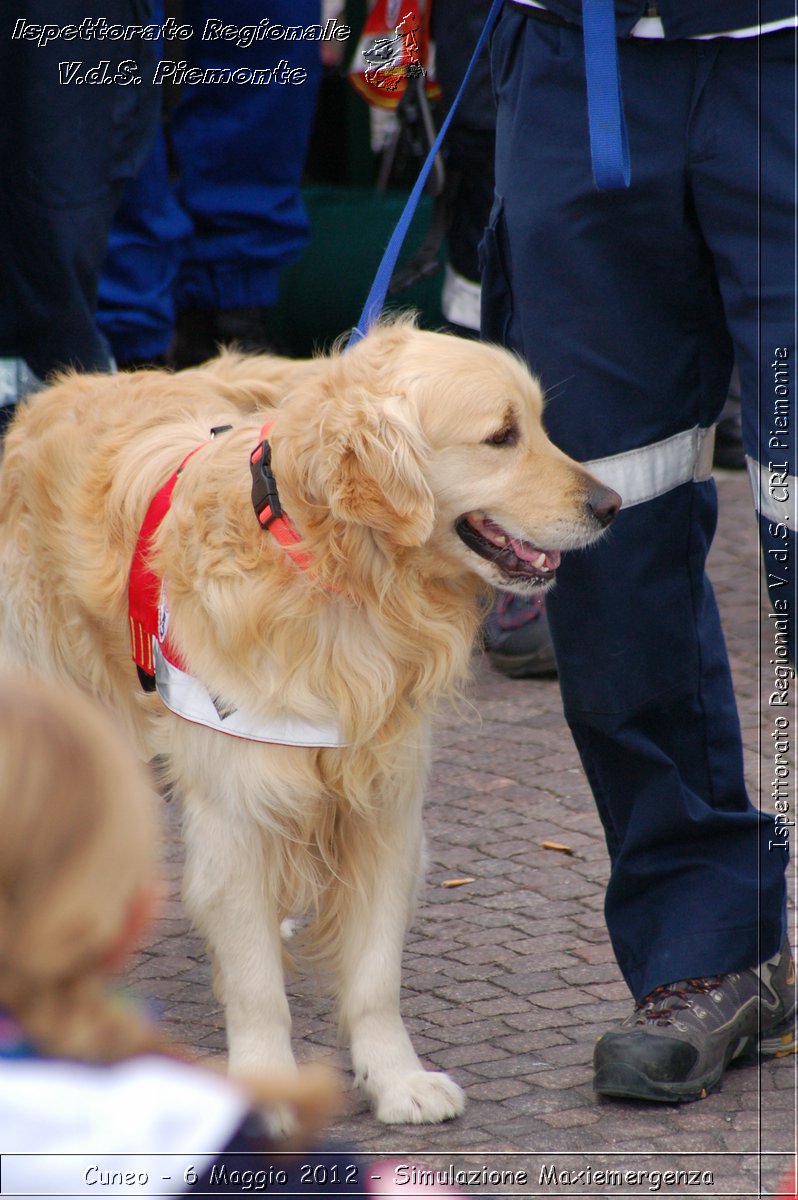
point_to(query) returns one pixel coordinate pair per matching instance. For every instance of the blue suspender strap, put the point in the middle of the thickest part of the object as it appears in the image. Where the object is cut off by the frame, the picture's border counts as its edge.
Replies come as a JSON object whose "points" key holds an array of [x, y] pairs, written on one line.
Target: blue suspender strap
{"points": [[379, 288], [609, 147]]}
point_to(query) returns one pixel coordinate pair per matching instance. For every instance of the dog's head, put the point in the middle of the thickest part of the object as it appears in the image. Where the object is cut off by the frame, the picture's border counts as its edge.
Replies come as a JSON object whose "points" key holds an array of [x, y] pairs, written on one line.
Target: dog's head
{"points": [[433, 442]]}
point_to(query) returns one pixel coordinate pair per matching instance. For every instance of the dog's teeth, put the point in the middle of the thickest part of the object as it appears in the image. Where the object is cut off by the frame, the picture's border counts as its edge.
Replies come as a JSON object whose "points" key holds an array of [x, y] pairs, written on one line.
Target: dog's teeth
{"points": [[540, 561], [501, 540]]}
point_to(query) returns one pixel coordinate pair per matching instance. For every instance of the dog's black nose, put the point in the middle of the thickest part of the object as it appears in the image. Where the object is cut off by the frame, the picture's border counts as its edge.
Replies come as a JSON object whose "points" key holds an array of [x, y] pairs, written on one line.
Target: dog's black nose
{"points": [[604, 503]]}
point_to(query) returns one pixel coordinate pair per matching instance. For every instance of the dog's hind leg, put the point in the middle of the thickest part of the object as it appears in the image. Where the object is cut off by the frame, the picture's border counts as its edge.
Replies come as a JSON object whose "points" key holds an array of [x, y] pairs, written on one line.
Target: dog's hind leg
{"points": [[225, 896], [374, 924]]}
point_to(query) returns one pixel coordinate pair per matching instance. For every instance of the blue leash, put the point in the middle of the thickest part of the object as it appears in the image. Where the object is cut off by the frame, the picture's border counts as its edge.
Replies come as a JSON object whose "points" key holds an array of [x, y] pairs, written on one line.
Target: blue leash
{"points": [[608, 141]]}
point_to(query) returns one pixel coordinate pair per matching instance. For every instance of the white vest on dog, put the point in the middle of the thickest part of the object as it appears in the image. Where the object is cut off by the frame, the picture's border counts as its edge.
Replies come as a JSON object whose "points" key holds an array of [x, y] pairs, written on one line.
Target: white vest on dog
{"points": [[187, 697]]}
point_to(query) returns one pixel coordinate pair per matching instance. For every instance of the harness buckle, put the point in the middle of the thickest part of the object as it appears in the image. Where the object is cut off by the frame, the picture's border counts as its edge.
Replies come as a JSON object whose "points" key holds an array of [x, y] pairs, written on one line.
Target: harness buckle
{"points": [[264, 485]]}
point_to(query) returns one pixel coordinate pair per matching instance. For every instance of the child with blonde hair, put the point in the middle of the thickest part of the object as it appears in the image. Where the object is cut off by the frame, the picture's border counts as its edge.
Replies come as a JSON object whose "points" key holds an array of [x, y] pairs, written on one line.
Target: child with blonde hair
{"points": [[83, 1072], [91, 1093], [77, 875]]}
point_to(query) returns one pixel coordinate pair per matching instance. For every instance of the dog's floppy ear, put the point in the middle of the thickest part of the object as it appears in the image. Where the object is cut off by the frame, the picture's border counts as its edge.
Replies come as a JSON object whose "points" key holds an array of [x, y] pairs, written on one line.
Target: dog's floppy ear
{"points": [[376, 478]]}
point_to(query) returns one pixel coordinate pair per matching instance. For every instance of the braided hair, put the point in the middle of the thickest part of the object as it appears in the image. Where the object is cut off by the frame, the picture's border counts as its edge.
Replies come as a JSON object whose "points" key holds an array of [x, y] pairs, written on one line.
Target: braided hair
{"points": [[78, 846]]}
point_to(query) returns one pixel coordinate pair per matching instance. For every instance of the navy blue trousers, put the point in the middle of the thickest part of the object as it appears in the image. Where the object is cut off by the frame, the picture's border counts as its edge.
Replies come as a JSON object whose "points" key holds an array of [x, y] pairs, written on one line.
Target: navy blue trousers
{"points": [[219, 236], [632, 306]]}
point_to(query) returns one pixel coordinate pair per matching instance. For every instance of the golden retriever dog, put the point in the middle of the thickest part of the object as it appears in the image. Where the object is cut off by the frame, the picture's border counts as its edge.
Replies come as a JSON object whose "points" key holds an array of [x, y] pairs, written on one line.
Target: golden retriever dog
{"points": [[415, 470]]}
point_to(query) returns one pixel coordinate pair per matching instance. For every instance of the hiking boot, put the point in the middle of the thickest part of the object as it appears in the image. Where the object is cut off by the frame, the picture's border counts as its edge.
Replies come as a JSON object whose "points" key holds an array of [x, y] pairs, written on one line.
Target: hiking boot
{"points": [[680, 1038], [517, 639]]}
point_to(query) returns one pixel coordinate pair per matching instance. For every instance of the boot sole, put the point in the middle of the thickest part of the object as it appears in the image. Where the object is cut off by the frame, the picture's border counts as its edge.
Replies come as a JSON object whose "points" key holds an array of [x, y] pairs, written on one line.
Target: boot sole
{"points": [[624, 1082]]}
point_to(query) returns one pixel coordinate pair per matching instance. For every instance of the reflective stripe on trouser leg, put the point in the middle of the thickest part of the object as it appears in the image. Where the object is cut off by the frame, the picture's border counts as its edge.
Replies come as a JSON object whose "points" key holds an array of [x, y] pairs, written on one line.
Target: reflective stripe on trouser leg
{"points": [[651, 471]]}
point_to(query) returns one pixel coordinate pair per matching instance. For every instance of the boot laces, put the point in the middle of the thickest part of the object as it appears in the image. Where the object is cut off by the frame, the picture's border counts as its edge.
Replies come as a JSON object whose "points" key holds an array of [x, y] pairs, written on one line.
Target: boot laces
{"points": [[667, 999]]}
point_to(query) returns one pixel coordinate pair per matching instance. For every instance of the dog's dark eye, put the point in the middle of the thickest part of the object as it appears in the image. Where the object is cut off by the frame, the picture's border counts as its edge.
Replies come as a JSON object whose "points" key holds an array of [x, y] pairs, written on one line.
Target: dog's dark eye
{"points": [[506, 436]]}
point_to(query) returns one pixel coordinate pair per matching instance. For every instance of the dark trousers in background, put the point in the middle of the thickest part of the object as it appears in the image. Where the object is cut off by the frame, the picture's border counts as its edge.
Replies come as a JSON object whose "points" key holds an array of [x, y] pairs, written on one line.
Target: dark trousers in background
{"points": [[66, 149]]}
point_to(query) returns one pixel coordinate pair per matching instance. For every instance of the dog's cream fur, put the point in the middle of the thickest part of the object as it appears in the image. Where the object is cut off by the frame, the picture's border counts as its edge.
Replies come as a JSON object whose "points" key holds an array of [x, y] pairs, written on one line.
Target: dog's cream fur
{"points": [[376, 453]]}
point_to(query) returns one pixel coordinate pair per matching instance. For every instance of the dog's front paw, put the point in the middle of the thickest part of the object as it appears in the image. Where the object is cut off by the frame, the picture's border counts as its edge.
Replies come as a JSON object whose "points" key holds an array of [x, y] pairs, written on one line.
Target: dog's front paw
{"points": [[419, 1098]]}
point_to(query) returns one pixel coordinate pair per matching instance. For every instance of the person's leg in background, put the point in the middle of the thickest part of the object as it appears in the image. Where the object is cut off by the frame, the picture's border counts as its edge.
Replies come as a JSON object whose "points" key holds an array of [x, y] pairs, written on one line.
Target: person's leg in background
{"points": [[136, 308], [148, 238], [612, 299], [470, 151], [240, 151], [67, 148]]}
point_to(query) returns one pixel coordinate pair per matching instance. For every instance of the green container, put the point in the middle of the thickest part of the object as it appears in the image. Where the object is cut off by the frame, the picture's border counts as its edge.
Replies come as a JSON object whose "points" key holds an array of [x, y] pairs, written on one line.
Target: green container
{"points": [[322, 296]]}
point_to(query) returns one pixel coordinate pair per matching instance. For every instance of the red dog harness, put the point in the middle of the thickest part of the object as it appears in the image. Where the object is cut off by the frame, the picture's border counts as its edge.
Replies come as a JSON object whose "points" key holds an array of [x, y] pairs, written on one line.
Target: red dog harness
{"points": [[157, 661], [144, 588]]}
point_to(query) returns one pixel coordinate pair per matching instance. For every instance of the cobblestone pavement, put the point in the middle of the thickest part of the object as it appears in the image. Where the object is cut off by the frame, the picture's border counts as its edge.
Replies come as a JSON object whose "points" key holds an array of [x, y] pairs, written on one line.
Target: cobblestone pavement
{"points": [[509, 979]]}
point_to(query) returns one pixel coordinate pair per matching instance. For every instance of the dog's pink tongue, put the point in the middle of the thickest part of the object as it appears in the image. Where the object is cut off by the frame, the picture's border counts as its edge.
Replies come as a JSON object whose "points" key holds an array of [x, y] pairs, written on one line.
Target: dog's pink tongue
{"points": [[548, 560], [529, 553]]}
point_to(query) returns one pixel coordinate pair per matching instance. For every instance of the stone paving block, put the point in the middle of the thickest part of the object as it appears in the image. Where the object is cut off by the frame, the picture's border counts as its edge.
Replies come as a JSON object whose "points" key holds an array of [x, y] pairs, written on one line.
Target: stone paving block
{"points": [[617, 990], [497, 1089], [548, 963], [421, 1003], [537, 1040], [571, 1118], [599, 974], [563, 1078], [462, 992], [591, 926], [468, 1054], [539, 1018], [598, 953], [500, 1006], [567, 1054], [475, 971], [473, 1031], [535, 1101], [528, 984], [563, 998], [515, 1065]]}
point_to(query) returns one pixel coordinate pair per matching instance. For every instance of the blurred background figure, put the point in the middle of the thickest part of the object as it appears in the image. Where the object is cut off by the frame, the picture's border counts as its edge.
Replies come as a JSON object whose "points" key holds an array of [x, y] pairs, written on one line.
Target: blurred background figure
{"points": [[66, 150], [203, 233]]}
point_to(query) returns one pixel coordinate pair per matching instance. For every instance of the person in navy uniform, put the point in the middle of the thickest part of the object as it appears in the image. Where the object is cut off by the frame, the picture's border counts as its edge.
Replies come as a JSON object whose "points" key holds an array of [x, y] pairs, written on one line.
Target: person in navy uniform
{"points": [[631, 304]]}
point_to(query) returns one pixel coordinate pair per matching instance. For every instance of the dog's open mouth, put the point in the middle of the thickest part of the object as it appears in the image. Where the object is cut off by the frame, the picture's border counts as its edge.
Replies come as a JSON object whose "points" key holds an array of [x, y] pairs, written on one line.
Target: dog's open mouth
{"points": [[511, 555]]}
